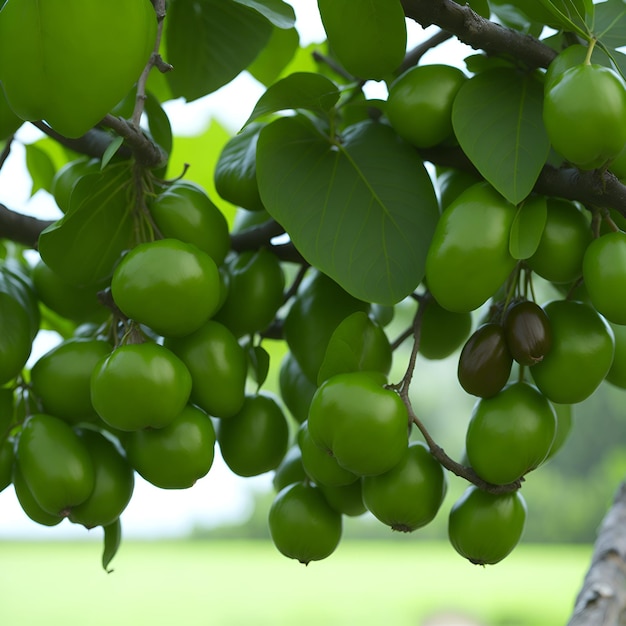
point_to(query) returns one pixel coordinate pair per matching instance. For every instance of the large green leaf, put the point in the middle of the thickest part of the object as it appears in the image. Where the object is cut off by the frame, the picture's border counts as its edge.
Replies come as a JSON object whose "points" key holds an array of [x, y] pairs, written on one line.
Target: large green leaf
{"points": [[276, 56], [84, 245], [209, 42], [362, 210], [497, 118], [610, 23], [277, 12]]}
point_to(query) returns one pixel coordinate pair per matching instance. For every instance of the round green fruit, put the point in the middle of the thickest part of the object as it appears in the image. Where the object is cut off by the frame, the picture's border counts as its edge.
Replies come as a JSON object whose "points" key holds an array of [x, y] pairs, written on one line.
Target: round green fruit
{"points": [[71, 75], [587, 131], [510, 434], [443, 331], [345, 499], [140, 386], [176, 456], [466, 263], [290, 469], [484, 527], [409, 495], [303, 525], [171, 286], [296, 389], [419, 106], [360, 422], [255, 440], [27, 501], [451, 183]]}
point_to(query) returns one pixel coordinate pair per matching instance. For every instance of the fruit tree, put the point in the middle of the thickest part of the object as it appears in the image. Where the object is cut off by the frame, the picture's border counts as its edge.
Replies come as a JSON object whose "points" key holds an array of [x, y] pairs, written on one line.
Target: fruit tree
{"points": [[465, 193]]}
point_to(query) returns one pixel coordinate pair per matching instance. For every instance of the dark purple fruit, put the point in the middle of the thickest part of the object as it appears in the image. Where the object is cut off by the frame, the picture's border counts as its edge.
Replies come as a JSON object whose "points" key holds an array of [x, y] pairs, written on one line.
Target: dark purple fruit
{"points": [[485, 362], [527, 332]]}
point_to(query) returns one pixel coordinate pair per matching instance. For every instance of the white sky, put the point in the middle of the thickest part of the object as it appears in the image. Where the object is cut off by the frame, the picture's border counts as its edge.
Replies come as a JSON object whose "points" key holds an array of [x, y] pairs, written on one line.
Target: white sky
{"points": [[220, 496]]}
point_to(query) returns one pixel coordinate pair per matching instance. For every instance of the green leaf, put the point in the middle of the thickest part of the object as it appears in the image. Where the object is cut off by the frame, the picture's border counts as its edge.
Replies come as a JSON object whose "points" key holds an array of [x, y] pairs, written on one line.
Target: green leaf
{"points": [[112, 542], [158, 123], [259, 360], [301, 90], [278, 53], [84, 245], [362, 210], [277, 12], [498, 121], [610, 23], [112, 148], [40, 168], [568, 15], [209, 42], [527, 227]]}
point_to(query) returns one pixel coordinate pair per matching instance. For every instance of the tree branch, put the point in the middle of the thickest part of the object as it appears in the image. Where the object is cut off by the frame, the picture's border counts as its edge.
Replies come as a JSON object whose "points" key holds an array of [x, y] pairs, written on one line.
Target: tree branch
{"points": [[20, 228], [602, 599]]}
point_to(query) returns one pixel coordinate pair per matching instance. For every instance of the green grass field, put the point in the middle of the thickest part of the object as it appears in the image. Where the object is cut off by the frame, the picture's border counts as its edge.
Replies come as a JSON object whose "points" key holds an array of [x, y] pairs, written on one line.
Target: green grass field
{"points": [[184, 583]]}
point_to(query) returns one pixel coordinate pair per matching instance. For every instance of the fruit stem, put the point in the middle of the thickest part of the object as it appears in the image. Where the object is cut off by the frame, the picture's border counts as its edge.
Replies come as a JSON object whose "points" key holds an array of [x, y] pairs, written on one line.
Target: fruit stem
{"points": [[592, 45]]}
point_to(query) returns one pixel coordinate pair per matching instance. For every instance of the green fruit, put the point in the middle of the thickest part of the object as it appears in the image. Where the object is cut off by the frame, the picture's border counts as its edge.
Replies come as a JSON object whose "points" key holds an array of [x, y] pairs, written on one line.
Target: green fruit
{"points": [[303, 525], [604, 271], [296, 390], [55, 464], [581, 354], [255, 440], [176, 456], [255, 292], [168, 285], [367, 36], [452, 183], [419, 106], [564, 425], [362, 424], [484, 527], [184, 211], [28, 503], [72, 76], [218, 368], [318, 308], [140, 386], [510, 434], [485, 361], [466, 263], [346, 499], [7, 457], [587, 131], [566, 235], [61, 378], [113, 485], [409, 495], [527, 332], [617, 372], [15, 347], [7, 410], [68, 176], [290, 469], [443, 331], [321, 467]]}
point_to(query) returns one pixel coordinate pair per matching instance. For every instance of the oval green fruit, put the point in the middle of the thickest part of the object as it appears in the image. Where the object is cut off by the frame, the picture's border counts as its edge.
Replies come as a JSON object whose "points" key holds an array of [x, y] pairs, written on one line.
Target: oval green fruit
{"points": [[409, 495], [290, 469], [303, 525], [15, 347], [484, 527], [345, 499], [171, 286], [510, 434], [466, 263], [27, 501], [443, 331], [176, 456], [581, 354], [55, 464], [296, 390]]}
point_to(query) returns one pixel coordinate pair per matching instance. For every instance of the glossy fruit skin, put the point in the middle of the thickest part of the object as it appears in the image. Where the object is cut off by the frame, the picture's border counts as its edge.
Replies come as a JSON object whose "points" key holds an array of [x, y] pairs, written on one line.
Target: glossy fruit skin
{"points": [[86, 70], [564, 424], [566, 235], [218, 368], [171, 286], [28, 503], [358, 44], [346, 499], [585, 131], [7, 457], [321, 467], [255, 292], [176, 456], [451, 183], [419, 106], [61, 378], [55, 464], [319, 307], [604, 271], [466, 264], [184, 211], [255, 440], [510, 433], [140, 386], [485, 528], [581, 355], [485, 361], [303, 525], [290, 470], [409, 495], [527, 332], [443, 332], [114, 482], [363, 425], [617, 372], [296, 390], [7, 410]]}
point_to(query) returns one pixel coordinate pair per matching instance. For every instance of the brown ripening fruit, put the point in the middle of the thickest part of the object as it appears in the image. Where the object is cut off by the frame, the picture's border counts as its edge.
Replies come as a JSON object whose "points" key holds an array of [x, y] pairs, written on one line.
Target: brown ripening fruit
{"points": [[485, 361], [527, 332]]}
